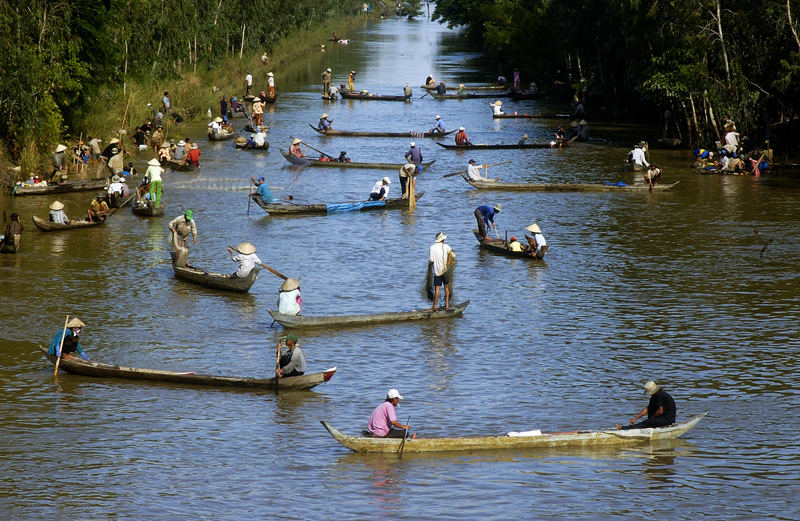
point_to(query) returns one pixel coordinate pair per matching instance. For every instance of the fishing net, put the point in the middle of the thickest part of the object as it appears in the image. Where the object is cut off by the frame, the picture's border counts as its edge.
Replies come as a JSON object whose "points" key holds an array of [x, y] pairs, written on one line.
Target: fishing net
{"points": [[426, 288]]}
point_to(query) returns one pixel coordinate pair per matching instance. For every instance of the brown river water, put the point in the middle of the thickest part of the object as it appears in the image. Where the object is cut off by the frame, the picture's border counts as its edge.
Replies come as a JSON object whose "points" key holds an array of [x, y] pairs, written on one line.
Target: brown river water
{"points": [[668, 286]]}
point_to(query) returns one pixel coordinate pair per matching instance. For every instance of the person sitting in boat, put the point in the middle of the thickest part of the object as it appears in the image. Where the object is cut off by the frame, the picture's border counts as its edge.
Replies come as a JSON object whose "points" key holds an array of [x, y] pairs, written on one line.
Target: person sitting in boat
{"points": [[289, 299], [71, 344], [333, 93], [236, 105], [438, 127], [226, 125], [131, 170], [383, 422], [474, 172], [660, 409], [296, 150], [343, 157], [164, 153], [351, 81], [653, 175], [57, 214], [484, 214], [193, 157], [214, 127], [441, 89], [262, 192], [13, 229], [461, 138], [702, 157], [380, 190], [259, 138], [514, 244], [637, 157], [115, 187], [537, 243], [497, 108], [246, 258], [325, 123], [429, 80], [293, 362], [98, 209], [523, 139], [414, 154]]}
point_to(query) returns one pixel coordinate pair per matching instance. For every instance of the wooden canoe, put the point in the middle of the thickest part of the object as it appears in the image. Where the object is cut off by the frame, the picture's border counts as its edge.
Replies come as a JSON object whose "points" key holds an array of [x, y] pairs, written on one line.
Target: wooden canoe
{"points": [[521, 95], [351, 133], [179, 166], [469, 95], [46, 226], [220, 281], [12, 246], [147, 209], [541, 441], [79, 366], [500, 246], [545, 116], [567, 187], [81, 185], [498, 146], [290, 321], [299, 161], [241, 146], [220, 135], [467, 87], [374, 97], [305, 209]]}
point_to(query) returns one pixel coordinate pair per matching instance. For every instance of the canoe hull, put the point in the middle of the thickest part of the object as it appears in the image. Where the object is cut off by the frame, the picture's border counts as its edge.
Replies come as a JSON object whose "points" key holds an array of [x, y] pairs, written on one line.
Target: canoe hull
{"points": [[499, 146], [295, 321], [349, 133], [221, 136], [307, 209], [83, 185], [220, 281], [500, 246], [78, 366], [372, 97], [543, 441], [469, 95], [299, 161], [147, 209], [566, 187], [544, 116], [47, 226]]}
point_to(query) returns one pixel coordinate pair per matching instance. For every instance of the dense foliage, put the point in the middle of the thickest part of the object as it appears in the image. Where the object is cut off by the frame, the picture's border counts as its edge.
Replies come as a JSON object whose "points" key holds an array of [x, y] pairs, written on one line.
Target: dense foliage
{"points": [[55, 56], [701, 59]]}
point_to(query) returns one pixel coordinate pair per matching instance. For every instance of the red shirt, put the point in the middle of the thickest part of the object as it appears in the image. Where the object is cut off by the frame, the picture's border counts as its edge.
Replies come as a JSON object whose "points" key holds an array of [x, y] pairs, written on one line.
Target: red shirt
{"points": [[461, 138], [193, 157]]}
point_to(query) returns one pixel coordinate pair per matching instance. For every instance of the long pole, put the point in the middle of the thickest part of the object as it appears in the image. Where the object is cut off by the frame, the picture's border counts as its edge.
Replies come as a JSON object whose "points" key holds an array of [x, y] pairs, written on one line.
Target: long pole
{"points": [[405, 435], [249, 198], [61, 345], [277, 364], [281, 275], [464, 171]]}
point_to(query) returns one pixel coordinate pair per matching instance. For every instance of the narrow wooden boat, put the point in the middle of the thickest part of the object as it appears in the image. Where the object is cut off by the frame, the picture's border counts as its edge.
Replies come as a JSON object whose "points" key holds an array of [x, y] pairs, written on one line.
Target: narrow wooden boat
{"points": [[220, 281], [544, 440], [521, 95], [467, 87], [80, 185], [567, 187], [147, 209], [12, 246], [549, 115], [469, 95], [501, 246], [305, 209], [374, 97], [242, 146], [250, 99], [79, 366], [300, 161], [289, 321], [179, 166], [498, 146], [46, 226], [115, 200], [350, 133], [220, 135], [717, 171]]}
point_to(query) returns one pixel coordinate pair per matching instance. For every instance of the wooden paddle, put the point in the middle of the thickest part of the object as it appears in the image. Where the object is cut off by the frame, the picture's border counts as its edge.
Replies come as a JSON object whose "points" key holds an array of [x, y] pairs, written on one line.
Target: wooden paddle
{"points": [[61, 345], [277, 364], [312, 148], [249, 198], [279, 274], [464, 171], [123, 203], [405, 435], [424, 95]]}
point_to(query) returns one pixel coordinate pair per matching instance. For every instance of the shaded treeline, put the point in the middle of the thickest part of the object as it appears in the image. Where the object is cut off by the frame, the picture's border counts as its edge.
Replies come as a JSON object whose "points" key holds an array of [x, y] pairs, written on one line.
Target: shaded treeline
{"points": [[59, 60], [701, 59]]}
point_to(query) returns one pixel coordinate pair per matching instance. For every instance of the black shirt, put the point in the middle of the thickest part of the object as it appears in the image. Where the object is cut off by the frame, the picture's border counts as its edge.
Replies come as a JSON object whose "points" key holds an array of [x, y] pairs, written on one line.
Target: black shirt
{"points": [[662, 399]]}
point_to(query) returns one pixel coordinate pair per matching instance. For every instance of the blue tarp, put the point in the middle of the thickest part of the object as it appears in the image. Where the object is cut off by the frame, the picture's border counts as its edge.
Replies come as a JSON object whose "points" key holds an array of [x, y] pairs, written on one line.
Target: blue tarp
{"points": [[353, 207], [618, 183]]}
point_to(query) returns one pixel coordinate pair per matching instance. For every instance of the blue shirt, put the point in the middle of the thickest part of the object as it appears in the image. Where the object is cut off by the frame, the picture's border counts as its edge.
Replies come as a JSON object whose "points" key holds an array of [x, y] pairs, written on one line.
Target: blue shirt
{"points": [[324, 124], [264, 193], [488, 213], [54, 345], [414, 155], [439, 125]]}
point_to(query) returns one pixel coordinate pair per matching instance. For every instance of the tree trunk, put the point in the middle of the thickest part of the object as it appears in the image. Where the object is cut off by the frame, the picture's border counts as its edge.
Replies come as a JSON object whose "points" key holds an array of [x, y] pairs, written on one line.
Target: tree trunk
{"points": [[694, 118], [722, 43], [241, 48], [791, 24], [711, 116]]}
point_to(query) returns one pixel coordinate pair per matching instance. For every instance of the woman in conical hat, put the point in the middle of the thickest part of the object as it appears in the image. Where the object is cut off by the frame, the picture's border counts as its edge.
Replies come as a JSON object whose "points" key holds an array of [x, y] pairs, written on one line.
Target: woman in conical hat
{"points": [[67, 340], [289, 299], [246, 258]]}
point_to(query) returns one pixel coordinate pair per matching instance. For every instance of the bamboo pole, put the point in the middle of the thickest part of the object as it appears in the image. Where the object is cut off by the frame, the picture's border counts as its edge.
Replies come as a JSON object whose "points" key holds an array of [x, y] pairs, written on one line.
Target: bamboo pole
{"points": [[241, 47]]}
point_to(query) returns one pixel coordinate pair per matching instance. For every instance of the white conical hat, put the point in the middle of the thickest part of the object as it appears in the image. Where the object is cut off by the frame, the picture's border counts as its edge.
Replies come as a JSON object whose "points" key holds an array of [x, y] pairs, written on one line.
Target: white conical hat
{"points": [[290, 284], [534, 228], [75, 322], [57, 205], [246, 248], [154, 162]]}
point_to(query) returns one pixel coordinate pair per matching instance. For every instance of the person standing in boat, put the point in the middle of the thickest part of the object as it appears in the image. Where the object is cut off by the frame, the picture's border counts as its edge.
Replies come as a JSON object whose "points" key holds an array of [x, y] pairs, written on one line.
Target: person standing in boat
{"points": [[515, 80], [57, 214], [293, 362], [497, 108], [407, 170], [271, 85], [438, 127], [247, 258], [485, 216], [380, 190], [383, 422], [326, 82], [180, 228], [248, 83], [461, 138], [71, 342], [289, 299], [660, 409], [325, 123], [537, 243], [407, 91], [351, 81], [153, 175], [441, 260], [262, 192], [414, 155], [258, 111], [474, 172], [59, 160]]}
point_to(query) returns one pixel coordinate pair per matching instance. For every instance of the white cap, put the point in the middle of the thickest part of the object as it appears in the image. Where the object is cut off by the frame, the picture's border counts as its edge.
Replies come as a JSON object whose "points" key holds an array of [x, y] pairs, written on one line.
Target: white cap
{"points": [[394, 393], [387, 180], [413, 144], [438, 116], [460, 128]]}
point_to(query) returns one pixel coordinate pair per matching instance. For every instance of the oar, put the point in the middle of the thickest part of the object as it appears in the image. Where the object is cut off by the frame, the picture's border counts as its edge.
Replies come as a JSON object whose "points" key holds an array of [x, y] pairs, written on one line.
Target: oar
{"points": [[61, 345], [464, 171], [281, 275], [277, 364], [312, 148], [405, 435], [249, 198], [424, 95], [122, 204]]}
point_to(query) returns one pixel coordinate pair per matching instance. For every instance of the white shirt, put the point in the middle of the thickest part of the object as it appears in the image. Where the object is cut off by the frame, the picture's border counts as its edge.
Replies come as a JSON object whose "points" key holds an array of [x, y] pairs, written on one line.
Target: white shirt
{"points": [[287, 302], [474, 172], [497, 109], [115, 187], [438, 256], [246, 263], [539, 238], [215, 126], [638, 157], [258, 137], [723, 161], [271, 81], [249, 80], [154, 173], [732, 138], [376, 188]]}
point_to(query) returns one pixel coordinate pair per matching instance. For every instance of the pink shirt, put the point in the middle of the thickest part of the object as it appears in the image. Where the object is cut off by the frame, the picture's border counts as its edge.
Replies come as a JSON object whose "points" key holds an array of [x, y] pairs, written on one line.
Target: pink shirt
{"points": [[381, 418]]}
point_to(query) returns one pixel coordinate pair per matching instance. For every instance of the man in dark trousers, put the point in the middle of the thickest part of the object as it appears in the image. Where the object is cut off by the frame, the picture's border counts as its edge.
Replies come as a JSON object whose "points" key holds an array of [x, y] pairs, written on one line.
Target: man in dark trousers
{"points": [[660, 410]]}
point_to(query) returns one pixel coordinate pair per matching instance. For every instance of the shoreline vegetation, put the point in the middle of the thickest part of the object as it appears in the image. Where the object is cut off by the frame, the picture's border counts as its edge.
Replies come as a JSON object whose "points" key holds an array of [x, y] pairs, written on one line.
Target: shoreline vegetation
{"points": [[69, 102]]}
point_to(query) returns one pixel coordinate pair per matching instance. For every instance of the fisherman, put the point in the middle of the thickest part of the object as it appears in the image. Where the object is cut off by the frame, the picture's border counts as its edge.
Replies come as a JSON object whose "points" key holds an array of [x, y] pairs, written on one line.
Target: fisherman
{"points": [[514, 244], [116, 162], [57, 214], [429, 80], [193, 157], [98, 209], [383, 420], [351, 81], [652, 176], [289, 299], [236, 106], [296, 150], [497, 108], [660, 409], [326, 82], [262, 192], [71, 343], [407, 170], [115, 187], [441, 89], [561, 135], [164, 153], [13, 232], [537, 243], [638, 158], [515, 80], [438, 127], [461, 138], [325, 123], [259, 138], [153, 174], [293, 362], [248, 83], [59, 160], [485, 216], [441, 260], [180, 228], [258, 110], [215, 126], [523, 139], [407, 91], [414, 155], [460, 90], [247, 258], [271, 85], [474, 172], [94, 145], [731, 141], [157, 138], [343, 157], [380, 190]]}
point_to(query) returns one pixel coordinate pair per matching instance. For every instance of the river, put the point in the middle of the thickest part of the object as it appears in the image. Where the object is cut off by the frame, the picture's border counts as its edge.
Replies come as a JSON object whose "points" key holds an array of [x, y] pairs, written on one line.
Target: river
{"points": [[669, 286]]}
